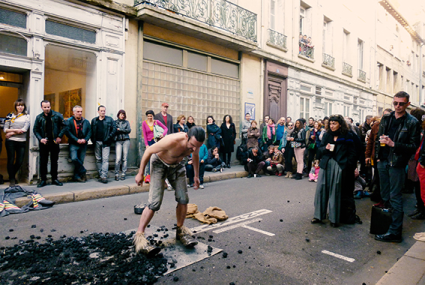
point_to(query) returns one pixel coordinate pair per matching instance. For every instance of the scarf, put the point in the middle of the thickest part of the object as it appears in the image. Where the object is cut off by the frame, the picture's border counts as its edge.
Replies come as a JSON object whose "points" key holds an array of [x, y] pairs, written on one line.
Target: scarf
{"points": [[289, 132], [269, 135], [337, 133], [12, 117]]}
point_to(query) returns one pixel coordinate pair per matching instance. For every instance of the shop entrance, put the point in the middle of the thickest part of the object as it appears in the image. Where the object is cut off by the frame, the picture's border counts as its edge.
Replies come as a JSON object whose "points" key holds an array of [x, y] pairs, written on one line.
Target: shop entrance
{"points": [[11, 88]]}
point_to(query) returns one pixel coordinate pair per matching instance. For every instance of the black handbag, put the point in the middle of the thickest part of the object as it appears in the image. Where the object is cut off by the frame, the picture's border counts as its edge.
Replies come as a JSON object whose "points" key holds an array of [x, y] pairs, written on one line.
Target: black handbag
{"points": [[380, 221]]}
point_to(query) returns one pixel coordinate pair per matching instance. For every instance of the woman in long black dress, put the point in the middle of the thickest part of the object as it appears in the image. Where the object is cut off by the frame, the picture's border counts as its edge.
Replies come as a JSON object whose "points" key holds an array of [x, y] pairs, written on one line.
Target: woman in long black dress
{"points": [[228, 133], [214, 133]]}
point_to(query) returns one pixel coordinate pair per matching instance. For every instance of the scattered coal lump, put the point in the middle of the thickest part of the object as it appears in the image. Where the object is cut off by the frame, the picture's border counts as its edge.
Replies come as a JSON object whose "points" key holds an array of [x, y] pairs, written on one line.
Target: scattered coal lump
{"points": [[94, 259]]}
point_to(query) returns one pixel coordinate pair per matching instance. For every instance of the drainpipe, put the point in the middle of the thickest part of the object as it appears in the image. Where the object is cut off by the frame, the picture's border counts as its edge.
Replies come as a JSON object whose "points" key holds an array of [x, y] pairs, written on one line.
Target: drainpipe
{"points": [[139, 138]]}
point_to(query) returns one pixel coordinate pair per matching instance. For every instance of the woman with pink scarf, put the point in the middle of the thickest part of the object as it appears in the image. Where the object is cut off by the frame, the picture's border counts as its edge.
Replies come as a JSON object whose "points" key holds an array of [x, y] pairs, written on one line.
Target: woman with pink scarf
{"points": [[269, 134]]}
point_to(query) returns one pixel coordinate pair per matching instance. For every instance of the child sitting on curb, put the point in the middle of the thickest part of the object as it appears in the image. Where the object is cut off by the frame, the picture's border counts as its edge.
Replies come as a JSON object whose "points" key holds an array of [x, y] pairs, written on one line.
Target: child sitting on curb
{"points": [[314, 172]]}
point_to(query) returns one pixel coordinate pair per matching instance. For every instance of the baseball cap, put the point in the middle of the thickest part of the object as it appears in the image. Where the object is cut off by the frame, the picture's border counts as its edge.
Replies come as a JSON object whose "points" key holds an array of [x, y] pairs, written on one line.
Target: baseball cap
{"points": [[164, 104]]}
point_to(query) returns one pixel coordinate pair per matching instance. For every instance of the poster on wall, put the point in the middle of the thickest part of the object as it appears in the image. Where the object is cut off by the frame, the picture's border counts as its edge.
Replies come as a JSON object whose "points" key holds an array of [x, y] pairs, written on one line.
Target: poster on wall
{"points": [[52, 99], [250, 109], [68, 99]]}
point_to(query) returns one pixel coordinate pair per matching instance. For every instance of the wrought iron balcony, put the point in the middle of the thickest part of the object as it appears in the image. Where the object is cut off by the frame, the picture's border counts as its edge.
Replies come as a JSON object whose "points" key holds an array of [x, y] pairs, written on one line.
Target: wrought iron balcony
{"points": [[362, 75], [306, 50], [347, 69], [220, 14], [328, 60], [277, 39]]}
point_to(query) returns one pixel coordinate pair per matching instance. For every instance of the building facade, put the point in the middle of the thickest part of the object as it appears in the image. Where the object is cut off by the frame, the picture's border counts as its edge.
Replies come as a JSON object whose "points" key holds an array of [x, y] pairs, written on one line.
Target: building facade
{"points": [[280, 58]]}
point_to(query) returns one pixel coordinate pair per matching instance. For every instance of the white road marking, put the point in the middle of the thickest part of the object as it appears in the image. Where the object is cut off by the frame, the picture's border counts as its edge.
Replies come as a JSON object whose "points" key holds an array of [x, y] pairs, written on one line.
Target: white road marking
{"points": [[230, 221], [236, 226], [257, 230], [338, 256]]}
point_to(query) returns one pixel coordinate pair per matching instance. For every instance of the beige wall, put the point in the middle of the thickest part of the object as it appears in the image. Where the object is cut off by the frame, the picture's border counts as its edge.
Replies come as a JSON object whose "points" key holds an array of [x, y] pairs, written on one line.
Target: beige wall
{"points": [[251, 82]]}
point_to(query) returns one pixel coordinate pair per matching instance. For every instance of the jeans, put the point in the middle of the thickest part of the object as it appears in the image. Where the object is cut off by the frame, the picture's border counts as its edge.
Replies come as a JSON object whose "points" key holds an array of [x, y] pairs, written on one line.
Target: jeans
{"points": [[45, 149], [77, 152], [392, 181], [15, 157], [101, 153], [148, 165], [121, 153], [210, 167], [190, 172], [176, 175], [254, 168]]}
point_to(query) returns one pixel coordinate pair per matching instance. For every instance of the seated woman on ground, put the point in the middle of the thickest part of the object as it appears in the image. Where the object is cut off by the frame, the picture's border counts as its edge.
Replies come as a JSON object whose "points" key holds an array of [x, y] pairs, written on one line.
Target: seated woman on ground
{"points": [[277, 162], [214, 162]]}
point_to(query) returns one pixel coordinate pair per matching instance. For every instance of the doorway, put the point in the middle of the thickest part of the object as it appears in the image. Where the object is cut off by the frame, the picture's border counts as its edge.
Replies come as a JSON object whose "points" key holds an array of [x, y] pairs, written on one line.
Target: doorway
{"points": [[10, 90], [275, 93]]}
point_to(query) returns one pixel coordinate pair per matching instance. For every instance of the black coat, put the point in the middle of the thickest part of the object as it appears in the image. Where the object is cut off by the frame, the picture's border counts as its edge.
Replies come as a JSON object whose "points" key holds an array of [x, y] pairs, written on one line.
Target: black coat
{"points": [[214, 136], [344, 153], [229, 136]]}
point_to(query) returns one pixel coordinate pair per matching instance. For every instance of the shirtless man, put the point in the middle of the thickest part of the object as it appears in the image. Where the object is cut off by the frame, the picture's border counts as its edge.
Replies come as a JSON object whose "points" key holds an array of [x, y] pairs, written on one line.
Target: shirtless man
{"points": [[166, 162]]}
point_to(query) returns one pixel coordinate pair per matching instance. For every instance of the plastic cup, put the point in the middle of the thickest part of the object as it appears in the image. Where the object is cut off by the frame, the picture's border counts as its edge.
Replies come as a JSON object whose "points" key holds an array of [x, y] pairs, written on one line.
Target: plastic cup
{"points": [[332, 147]]}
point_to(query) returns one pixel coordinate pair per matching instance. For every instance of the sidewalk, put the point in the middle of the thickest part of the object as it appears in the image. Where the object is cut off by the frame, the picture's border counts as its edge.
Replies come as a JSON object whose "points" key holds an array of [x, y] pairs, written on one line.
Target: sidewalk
{"points": [[409, 270], [92, 189]]}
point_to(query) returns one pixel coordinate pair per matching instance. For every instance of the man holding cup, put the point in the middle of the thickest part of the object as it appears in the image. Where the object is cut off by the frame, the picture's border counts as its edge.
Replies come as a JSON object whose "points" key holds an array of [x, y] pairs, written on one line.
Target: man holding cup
{"points": [[399, 136]]}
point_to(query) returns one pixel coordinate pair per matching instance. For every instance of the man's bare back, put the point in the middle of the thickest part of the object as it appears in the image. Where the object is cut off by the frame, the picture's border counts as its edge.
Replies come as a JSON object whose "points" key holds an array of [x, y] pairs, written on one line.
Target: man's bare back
{"points": [[171, 150], [176, 148]]}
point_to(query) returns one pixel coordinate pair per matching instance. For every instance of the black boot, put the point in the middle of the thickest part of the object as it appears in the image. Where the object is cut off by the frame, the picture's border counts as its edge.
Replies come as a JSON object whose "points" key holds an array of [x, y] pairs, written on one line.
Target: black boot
{"points": [[298, 176]]}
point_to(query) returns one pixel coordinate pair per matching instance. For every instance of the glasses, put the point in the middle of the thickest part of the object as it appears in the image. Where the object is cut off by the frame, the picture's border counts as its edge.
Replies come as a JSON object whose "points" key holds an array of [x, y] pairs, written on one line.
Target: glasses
{"points": [[401, 104], [290, 125]]}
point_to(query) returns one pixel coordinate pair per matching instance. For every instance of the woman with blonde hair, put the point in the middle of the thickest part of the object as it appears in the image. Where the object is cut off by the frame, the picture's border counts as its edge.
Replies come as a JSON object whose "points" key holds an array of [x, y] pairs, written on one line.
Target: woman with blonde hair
{"points": [[180, 126]]}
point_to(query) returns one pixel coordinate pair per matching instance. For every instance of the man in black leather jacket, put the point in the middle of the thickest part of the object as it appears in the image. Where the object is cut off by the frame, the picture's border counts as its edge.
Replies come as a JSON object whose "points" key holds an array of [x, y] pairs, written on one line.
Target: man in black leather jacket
{"points": [[399, 135], [49, 128], [103, 132]]}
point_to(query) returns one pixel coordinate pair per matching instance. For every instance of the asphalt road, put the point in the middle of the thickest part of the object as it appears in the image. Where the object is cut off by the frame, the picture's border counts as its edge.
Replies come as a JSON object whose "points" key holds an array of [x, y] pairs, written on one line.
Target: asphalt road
{"points": [[287, 257]]}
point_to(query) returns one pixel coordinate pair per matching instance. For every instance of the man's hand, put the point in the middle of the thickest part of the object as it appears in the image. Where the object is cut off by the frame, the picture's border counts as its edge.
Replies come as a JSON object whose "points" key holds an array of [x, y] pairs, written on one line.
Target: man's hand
{"points": [[367, 161], [43, 141], [202, 161], [386, 140], [139, 179], [58, 140], [196, 183], [189, 162]]}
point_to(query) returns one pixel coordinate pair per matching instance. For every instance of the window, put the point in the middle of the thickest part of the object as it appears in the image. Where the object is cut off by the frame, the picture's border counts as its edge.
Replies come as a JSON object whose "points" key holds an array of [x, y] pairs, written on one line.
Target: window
{"points": [[272, 14], [388, 80], [67, 31], [302, 15], [224, 68], [304, 108], [346, 111], [13, 18], [395, 81], [162, 53], [327, 36], [328, 108], [197, 61], [380, 83], [360, 53], [13, 45], [70, 79], [318, 90], [346, 46]]}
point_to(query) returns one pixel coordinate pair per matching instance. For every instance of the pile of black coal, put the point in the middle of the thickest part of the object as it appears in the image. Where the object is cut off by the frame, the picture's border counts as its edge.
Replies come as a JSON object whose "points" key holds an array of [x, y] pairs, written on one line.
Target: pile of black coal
{"points": [[95, 259]]}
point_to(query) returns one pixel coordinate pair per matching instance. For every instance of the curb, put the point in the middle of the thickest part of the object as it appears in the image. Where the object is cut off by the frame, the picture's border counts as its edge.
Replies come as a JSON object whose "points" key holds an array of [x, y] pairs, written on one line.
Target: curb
{"points": [[91, 194], [409, 269]]}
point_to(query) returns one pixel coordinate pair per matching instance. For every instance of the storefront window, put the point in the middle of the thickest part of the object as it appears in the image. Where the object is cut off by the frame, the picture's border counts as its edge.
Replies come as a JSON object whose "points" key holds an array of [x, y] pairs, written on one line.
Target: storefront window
{"points": [[70, 79]]}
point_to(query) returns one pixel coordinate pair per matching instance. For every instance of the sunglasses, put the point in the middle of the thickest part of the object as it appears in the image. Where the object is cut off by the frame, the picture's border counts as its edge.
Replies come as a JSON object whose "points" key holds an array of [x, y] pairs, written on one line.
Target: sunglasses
{"points": [[290, 125], [399, 103]]}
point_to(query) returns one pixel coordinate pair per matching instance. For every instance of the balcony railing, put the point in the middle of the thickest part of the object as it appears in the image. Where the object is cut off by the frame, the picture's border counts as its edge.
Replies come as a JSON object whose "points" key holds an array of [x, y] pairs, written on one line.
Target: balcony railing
{"points": [[220, 14], [362, 75], [328, 60], [277, 39], [347, 69], [306, 50]]}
